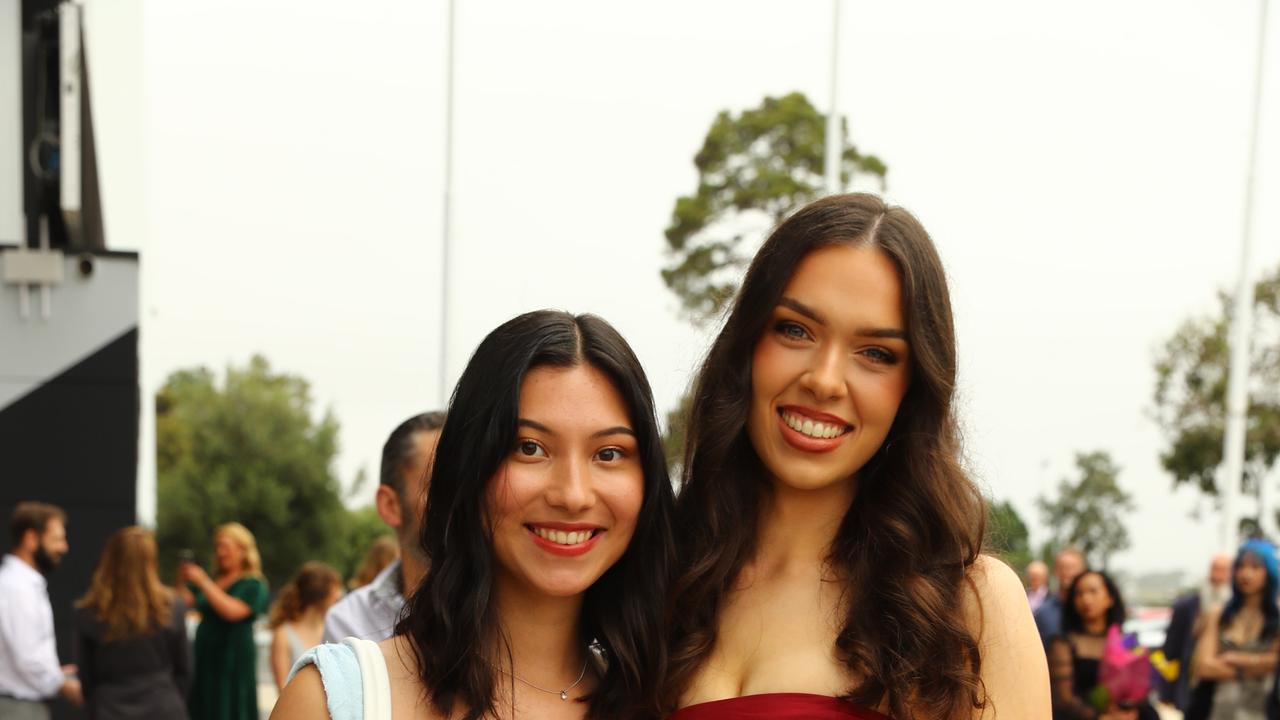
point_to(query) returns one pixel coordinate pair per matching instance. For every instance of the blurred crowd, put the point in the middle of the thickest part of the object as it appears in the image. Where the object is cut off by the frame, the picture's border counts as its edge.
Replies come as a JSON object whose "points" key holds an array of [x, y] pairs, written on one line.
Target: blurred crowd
{"points": [[134, 656], [1217, 660]]}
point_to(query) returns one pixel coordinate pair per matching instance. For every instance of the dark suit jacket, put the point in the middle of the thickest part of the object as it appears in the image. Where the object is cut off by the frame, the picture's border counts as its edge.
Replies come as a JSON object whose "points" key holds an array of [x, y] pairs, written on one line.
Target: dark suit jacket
{"points": [[145, 676], [1180, 644]]}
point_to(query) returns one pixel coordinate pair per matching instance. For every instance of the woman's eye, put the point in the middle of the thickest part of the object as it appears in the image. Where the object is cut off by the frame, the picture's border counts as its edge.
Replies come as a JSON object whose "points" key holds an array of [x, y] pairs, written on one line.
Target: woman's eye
{"points": [[880, 355], [791, 330], [530, 448], [610, 454]]}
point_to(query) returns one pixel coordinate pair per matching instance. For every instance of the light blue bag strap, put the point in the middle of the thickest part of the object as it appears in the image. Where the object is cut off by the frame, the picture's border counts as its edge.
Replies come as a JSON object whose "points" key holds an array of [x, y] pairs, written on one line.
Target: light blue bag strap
{"points": [[340, 673]]}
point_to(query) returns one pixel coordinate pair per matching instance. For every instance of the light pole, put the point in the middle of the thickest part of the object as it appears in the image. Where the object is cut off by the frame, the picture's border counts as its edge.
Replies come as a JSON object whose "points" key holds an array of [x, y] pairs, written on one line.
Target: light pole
{"points": [[1241, 328], [443, 387], [834, 143]]}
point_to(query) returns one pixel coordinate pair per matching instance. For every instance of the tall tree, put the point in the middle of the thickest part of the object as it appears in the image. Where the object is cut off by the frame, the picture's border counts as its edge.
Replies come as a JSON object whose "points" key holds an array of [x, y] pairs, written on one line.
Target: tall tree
{"points": [[1089, 511], [1191, 389], [250, 451], [1007, 535], [754, 169]]}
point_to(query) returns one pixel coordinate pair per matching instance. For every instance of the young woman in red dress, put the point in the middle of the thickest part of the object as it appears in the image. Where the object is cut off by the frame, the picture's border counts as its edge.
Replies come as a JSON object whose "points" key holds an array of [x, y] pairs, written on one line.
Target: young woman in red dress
{"points": [[830, 539]]}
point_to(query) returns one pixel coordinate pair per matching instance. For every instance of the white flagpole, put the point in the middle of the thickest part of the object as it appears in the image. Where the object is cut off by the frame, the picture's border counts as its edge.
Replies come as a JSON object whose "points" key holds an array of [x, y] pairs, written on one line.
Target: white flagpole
{"points": [[443, 386], [834, 143], [1241, 329]]}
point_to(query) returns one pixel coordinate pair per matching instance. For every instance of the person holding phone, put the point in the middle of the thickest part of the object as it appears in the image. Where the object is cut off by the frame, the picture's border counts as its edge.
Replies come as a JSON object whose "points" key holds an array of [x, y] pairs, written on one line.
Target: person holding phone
{"points": [[225, 686]]}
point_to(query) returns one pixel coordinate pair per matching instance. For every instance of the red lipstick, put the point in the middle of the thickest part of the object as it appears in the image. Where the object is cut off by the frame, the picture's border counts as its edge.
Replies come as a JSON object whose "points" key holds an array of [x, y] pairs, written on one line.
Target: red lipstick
{"points": [[565, 550]]}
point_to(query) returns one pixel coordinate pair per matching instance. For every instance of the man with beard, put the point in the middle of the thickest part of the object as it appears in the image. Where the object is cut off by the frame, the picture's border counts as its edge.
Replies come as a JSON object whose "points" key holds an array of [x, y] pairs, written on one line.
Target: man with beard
{"points": [[29, 669], [1186, 624], [371, 612]]}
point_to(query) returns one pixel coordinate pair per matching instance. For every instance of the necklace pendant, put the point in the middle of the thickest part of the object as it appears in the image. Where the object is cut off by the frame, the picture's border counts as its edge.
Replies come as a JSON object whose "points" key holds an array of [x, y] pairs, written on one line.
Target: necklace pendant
{"points": [[564, 694]]}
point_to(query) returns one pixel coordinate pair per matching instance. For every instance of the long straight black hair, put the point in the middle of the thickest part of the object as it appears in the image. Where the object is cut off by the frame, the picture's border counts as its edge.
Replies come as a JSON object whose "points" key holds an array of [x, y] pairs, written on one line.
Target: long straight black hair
{"points": [[450, 621]]}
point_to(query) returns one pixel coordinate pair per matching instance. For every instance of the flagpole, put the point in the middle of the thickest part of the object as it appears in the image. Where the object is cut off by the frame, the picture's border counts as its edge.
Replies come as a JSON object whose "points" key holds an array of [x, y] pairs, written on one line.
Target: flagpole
{"points": [[1241, 329], [834, 143], [446, 237]]}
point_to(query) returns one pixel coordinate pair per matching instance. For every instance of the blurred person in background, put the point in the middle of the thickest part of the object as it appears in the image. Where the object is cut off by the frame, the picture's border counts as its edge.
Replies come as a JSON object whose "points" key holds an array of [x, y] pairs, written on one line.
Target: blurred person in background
{"points": [[131, 635], [1067, 566], [1237, 649], [225, 686], [1037, 584], [384, 551], [297, 618], [29, 669], [371, 613], [1075, 655], [1187, 624]]}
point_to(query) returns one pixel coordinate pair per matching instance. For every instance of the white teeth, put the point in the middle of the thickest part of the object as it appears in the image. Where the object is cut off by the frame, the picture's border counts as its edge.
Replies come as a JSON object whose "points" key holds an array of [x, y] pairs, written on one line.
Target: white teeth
{"points": [[810, 427], [561, 537]]}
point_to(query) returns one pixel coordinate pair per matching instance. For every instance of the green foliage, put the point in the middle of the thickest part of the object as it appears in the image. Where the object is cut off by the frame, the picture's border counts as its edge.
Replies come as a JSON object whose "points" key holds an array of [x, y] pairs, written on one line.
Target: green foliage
{"points": [[1191, 390], [249, 451], [1007, 535], [363, 527], [1089, 512], [759, 166]]}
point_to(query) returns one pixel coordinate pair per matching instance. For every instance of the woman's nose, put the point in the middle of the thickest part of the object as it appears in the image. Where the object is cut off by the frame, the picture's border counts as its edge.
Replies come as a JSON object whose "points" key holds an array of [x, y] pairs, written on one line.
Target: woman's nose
{"points": [[824, 378], [571, 487]]}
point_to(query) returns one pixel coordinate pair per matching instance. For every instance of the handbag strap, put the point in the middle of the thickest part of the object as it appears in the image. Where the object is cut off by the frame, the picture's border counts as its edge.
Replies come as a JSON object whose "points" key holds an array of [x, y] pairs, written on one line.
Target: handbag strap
{"points": [[373, 679]]}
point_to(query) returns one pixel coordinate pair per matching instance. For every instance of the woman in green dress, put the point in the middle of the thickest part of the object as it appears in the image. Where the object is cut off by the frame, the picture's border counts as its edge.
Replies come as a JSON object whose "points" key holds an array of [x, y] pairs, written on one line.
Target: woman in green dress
{"points": [[225, 686]]}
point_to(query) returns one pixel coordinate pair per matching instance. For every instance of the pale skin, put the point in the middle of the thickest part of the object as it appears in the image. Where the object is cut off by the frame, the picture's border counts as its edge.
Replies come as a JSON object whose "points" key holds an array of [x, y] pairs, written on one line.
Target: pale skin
{"points": [[1037, 575], [835, 352], [229, 558], [576, 462], [54, 542], [1214, 663], [1066, 566], [310, 629]]}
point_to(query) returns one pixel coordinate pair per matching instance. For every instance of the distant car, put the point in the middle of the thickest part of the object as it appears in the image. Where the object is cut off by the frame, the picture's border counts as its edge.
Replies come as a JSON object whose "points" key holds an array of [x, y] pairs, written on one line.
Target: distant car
{"points": [[1150, 624]]}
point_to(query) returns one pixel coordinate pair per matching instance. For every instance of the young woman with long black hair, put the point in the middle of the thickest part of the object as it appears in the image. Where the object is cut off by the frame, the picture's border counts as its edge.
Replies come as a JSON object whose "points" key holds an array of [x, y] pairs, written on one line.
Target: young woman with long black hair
{"points": [[548, 532], [829, 539]]}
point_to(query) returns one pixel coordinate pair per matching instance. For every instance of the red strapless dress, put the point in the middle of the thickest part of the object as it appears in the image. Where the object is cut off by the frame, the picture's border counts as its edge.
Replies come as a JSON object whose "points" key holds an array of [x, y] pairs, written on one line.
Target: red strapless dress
{"points": [[777, 706]]}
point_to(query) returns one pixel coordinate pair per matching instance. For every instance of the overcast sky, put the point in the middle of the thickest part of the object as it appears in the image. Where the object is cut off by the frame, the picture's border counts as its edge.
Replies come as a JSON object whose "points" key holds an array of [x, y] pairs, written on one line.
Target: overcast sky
{"points": [[1080, 165]]}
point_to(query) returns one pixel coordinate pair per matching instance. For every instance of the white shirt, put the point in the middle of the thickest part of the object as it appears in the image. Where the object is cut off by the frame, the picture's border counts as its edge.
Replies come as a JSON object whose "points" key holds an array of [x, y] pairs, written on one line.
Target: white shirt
{"points": [[368, 613], [29, 667]]}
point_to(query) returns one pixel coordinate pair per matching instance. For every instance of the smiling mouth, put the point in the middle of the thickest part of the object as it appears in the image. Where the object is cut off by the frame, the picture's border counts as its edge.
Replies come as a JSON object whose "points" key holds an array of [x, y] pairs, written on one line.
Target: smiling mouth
{"points": [[567, 538], [816, 429]]}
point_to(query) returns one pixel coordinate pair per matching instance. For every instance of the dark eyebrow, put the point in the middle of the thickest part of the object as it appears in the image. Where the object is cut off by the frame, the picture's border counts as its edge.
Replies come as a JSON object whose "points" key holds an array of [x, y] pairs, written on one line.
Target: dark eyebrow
{"points": [[803, 309], [814, 315], [617, 430], [525, 422], [883, 333]]}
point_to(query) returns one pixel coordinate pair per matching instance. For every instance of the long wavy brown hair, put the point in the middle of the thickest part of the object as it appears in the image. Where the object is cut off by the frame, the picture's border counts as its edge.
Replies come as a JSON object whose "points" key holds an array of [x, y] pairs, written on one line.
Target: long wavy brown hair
{"points": [[312, 586], [126, 593], [914, 529]]}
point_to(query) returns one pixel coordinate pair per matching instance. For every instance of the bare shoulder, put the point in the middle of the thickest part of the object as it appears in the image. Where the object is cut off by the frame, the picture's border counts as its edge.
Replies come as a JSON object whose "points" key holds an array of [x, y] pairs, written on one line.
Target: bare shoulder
{"points": [[408, 698], [1014, 670], [993, 583], [402, 663], [303, 698]]}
